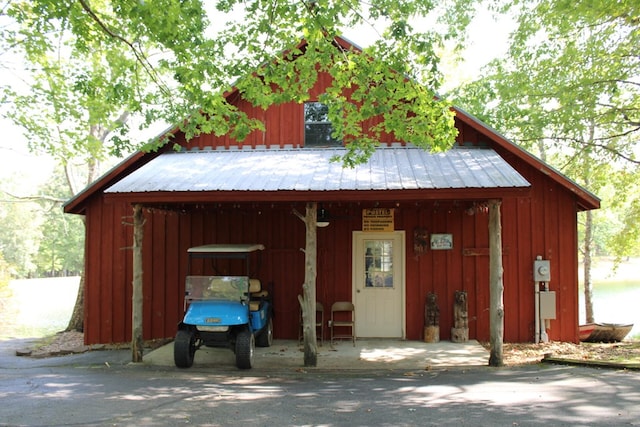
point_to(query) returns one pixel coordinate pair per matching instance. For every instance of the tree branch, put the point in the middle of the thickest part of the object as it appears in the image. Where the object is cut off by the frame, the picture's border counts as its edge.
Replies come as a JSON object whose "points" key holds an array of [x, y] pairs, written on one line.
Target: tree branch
{"points": [[299, 215], [26, 199], [140, 56], [596, 144], [605, 147]]}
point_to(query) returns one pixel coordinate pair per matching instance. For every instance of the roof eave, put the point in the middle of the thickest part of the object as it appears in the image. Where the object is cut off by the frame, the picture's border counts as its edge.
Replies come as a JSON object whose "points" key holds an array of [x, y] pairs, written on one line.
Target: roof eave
{"points": [[204, 197], [77, 204]]}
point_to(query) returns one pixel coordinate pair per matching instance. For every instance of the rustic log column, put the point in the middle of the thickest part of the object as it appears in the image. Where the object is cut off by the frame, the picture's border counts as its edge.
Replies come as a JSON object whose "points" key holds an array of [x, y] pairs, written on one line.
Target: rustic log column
{"points": [[136, 306], [308, 298], [496, 291]]}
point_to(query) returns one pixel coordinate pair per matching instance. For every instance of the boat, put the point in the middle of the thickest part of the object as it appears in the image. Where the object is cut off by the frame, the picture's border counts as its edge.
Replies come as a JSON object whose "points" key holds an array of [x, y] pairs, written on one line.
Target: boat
{"points": [[603, 332]]}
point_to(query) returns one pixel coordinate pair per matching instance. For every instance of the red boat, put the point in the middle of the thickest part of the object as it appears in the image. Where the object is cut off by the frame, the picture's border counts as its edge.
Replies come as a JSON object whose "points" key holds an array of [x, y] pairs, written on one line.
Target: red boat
{"points": [[603, 332]]}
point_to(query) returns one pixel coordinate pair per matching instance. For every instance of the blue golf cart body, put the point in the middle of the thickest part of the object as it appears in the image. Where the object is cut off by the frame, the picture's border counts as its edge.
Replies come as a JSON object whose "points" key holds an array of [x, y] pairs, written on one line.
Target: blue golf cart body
{"points": [[224, 311]]}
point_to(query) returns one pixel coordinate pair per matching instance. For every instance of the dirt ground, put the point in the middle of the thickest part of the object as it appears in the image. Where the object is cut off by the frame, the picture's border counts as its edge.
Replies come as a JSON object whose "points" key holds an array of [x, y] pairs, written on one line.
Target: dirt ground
{"points": [[513, 354], [73, 342], [621, 352]]}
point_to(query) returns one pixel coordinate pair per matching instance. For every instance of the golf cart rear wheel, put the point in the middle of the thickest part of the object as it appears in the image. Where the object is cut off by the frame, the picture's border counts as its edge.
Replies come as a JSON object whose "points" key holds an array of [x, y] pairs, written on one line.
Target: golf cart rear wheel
{"points": [[265, 339], [245, 346], [184, 348]]}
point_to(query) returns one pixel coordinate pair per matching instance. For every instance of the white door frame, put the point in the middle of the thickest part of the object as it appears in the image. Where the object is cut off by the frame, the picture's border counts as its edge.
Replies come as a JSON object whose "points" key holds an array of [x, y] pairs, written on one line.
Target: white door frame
{"points": [[357, 237]]}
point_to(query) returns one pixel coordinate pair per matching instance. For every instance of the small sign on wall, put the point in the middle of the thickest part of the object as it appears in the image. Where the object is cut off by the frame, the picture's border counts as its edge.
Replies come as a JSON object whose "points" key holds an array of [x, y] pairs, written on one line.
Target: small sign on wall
{"points": [[377, 220], [441, 241]]}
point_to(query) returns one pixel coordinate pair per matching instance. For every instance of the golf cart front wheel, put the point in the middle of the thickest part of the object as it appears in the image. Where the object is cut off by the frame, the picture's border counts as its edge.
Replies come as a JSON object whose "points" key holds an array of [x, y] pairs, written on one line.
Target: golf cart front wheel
{"points": [[245, 346], [184, 348]]}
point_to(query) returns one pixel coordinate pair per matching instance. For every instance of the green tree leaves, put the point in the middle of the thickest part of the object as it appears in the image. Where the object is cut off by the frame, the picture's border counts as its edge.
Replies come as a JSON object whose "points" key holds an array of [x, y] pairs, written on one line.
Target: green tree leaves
{"points": [[164, 61], [569, 89]]}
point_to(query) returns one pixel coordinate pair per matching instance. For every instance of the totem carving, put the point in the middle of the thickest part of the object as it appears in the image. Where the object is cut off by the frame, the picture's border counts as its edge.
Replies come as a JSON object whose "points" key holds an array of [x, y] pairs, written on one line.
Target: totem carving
{"points": [[460, 330], [431, 318]]}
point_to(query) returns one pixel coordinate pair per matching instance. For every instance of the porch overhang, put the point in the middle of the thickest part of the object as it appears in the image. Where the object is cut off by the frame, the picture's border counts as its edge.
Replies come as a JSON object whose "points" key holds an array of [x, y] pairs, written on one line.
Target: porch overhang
{"points": [[397, 173]]}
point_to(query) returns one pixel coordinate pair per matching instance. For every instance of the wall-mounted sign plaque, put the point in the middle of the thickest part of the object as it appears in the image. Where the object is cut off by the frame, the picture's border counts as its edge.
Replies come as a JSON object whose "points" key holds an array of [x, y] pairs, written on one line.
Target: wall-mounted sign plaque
{"points": [[377, 220], [441, 241]]}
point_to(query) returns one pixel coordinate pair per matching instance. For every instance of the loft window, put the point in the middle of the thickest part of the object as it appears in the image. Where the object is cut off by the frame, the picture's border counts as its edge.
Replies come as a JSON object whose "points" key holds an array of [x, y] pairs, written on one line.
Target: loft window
{"points": [[317, 127]]}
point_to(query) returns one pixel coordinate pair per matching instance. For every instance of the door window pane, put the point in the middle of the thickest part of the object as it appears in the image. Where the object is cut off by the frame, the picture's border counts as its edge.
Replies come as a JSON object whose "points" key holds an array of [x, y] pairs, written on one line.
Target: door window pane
{"points": [[378, 262]]}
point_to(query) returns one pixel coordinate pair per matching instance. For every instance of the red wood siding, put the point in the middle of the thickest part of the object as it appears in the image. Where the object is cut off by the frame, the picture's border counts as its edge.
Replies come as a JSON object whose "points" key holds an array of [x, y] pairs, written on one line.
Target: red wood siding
{"points": [[107, 273], [541, 225]]}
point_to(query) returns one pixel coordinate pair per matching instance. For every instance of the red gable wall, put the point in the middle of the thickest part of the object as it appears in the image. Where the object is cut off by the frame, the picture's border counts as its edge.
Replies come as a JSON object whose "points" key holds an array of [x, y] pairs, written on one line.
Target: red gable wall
{"points": [[284, 124]]}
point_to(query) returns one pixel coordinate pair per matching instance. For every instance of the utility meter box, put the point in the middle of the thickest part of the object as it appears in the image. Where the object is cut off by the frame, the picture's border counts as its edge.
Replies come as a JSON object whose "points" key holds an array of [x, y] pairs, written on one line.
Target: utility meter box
{"points": [[548, 305], [541, 270]]}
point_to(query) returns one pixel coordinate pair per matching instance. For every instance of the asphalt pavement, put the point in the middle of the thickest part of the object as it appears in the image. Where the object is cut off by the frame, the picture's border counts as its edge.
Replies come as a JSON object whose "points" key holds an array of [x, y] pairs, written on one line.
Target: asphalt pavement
{"points": [[102, 388]]}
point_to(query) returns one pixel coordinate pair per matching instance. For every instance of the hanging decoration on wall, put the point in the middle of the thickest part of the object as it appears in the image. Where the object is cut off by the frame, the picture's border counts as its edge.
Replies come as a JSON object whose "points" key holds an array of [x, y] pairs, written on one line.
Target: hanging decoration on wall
{"points": [[420, 240]]}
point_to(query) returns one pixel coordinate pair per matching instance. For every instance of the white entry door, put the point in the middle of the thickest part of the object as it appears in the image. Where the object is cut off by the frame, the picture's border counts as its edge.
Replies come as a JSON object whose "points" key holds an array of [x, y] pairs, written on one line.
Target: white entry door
{"points": [[378, 284]]}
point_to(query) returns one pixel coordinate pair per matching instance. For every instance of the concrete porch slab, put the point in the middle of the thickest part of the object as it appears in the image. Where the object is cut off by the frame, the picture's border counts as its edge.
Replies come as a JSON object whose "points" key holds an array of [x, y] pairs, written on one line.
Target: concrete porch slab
{"points": [[343, 355]]}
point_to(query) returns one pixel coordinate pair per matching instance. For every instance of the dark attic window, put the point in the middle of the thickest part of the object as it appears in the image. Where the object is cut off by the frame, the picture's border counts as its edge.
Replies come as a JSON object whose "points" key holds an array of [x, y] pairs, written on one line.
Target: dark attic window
{"points": [[317, 127]]}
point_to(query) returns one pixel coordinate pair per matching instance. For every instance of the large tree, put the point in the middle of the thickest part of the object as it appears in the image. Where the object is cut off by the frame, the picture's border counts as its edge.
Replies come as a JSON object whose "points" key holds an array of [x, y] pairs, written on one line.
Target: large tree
{"points": [[569, 89], [74, 98]]}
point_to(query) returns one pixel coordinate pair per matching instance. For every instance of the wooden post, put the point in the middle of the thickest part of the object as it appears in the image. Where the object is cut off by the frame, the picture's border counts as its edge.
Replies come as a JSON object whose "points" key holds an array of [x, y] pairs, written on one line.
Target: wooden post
{"points": [[496, 286], [136, 307], [308, 298]]}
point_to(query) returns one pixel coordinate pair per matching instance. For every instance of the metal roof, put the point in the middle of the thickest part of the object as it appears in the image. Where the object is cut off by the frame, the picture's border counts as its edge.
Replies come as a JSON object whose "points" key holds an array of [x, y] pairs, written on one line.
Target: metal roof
{"points": [[304, 169]]}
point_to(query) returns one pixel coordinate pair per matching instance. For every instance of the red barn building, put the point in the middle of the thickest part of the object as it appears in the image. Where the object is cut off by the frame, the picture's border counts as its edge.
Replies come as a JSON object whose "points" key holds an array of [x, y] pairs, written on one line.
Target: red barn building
{"points": [[405, 224]]}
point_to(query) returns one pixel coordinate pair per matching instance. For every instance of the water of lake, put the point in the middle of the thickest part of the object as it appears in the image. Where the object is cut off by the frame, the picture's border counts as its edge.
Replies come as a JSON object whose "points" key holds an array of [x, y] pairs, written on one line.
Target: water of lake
{"points": [[615, 302]]}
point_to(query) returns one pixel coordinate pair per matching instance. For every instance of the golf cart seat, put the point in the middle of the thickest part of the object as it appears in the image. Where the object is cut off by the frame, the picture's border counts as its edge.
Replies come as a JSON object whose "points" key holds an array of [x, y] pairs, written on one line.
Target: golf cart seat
{"points": [[257, 294]]}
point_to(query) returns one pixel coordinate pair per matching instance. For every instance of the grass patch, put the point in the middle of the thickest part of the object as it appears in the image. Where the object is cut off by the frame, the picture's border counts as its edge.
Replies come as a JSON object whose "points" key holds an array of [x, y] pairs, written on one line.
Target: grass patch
{"points": [[623, 352]]}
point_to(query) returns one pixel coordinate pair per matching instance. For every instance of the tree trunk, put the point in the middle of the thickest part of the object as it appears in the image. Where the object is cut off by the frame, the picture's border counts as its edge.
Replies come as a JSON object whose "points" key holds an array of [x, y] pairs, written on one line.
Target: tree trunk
{"points": [[76, 323], [588, 284], [308, 299], [496, 291], [136, 307], [588, 233]]}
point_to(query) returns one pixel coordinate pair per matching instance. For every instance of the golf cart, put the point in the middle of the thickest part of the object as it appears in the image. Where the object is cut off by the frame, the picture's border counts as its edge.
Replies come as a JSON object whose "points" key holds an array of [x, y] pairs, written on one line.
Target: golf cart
{"points": [[224, 311]]}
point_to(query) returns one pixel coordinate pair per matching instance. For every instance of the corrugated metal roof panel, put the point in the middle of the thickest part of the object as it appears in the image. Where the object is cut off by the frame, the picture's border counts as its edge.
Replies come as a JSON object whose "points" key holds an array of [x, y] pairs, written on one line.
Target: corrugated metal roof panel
{"points": [[390, 168]]}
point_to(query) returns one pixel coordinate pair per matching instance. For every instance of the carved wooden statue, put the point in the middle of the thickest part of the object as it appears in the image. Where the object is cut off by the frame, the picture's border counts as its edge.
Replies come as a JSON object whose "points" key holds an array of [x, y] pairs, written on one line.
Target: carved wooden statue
{"points": [[460, 313], [431, 319], [431, 310], [460, 330]]}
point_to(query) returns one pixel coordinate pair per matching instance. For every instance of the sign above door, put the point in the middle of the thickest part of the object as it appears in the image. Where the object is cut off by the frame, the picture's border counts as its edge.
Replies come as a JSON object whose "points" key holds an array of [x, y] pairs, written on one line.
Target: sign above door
{"points": [[378, 220]]}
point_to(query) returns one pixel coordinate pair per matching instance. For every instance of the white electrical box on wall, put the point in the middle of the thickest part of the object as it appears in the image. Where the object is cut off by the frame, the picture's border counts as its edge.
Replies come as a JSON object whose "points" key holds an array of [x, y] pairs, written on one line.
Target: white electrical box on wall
{"points": [[541, 270], [548, 305]]}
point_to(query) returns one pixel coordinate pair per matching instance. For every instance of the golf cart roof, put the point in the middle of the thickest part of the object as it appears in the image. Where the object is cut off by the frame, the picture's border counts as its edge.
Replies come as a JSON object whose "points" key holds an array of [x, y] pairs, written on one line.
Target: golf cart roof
{"points": [[226, 248]]}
